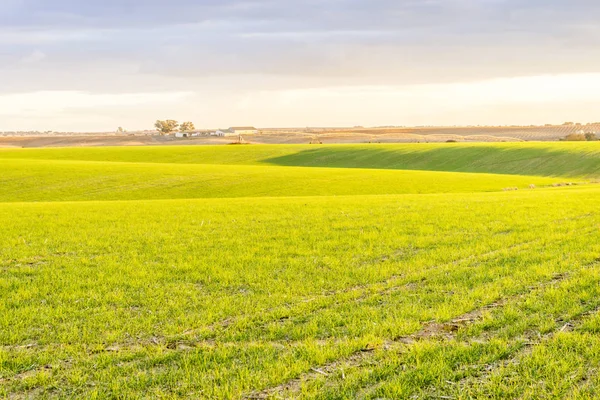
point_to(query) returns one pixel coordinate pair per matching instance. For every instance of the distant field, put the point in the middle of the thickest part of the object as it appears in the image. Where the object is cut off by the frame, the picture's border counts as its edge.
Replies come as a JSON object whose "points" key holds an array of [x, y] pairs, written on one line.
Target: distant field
{"points": [[432, 134], [84, 180], [542, 159], [315, 272]]}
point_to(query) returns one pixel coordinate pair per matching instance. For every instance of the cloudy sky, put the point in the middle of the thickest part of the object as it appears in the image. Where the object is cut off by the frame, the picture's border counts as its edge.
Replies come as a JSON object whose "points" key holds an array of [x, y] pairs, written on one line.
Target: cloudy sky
{"points": [[95, 65]]}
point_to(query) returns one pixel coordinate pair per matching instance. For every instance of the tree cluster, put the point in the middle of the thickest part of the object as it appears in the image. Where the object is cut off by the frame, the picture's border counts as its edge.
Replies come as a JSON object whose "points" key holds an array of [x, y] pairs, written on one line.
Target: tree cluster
{"points": [[169, 126]]}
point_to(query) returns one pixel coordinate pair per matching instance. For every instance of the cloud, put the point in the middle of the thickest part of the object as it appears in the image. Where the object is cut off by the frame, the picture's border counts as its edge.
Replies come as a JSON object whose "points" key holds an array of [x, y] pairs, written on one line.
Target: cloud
{"points": [[225, 49], [521, 100], [391, 39], [52, 102]]}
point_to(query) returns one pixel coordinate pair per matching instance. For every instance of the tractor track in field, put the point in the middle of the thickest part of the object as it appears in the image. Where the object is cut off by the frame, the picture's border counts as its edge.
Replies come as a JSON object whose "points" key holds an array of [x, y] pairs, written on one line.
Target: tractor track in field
{"points": [[187, 344], [186, 341], [385, 289], [286, 311], [361, 291], [432, 330], [529, 341], [524, 345]]}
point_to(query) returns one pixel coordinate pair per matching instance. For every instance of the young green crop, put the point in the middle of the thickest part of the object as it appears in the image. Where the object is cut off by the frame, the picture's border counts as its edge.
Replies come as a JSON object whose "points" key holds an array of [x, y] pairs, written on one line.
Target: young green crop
{"points": [[303, 288], [568, 159], [43, 180]]}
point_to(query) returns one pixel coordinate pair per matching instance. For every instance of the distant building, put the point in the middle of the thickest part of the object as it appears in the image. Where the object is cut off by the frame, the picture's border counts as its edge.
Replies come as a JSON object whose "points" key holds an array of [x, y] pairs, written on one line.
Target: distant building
{"points": [[182, 134]]}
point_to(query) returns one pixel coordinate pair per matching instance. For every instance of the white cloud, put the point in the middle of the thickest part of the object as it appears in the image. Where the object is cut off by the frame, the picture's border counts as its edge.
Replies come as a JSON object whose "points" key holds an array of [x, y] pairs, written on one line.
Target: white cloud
{"points": [[51, 102], [521, 100], [287, 62]]}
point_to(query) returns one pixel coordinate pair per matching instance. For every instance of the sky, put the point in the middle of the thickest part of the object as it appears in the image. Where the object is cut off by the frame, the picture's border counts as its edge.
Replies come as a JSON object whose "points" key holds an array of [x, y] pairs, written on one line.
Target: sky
{"points": [[95, 65]]}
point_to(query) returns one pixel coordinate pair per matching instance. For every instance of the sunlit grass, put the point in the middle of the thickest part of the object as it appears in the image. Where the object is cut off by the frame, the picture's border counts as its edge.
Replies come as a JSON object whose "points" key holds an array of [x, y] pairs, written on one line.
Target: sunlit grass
{"points": [[150, 288], [566, 159], [43, 180]]}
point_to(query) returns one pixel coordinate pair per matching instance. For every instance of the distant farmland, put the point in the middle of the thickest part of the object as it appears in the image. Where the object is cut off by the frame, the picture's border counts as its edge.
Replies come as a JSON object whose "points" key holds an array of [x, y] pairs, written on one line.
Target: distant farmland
{"points": [[300, 271], [355, 135]]}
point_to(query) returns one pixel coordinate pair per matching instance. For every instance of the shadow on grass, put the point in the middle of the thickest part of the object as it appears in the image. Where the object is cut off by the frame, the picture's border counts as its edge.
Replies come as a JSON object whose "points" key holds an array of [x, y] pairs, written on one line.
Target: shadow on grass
{"points": [[512, 160]]}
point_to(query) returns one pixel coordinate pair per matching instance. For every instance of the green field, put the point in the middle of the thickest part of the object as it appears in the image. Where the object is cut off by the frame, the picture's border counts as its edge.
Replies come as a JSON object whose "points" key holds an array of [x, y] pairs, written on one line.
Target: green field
{"points": [[330, 272]]}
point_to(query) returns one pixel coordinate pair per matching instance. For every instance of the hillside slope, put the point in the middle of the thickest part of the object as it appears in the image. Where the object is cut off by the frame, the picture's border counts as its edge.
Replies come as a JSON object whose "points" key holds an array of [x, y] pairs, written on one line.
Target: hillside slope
{"points": [[56, 180], [543, 159]]}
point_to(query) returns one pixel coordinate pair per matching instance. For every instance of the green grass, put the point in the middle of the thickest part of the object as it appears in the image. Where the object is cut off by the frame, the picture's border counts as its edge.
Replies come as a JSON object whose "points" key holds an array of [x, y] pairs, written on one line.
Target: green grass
{"points": [[128, 277], [44, 180], [567, 159]]}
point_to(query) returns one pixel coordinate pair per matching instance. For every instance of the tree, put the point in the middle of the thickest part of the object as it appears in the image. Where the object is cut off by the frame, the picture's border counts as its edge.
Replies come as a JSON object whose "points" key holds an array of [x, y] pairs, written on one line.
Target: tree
{"points": [[187, 127], [166, 127], [121, 130], [590, 137]]}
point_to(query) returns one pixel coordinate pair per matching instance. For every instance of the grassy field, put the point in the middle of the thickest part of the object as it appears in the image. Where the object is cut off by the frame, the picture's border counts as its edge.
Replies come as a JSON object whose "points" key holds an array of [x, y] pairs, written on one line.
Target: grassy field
{"points": [[574, 159], [334, 272]]}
